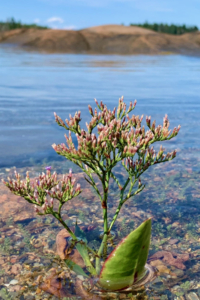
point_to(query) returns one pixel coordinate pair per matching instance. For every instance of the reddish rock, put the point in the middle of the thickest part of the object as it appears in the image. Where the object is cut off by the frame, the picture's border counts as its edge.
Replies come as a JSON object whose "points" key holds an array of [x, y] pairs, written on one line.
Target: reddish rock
{"points": [[15, 288], [63, 250], [171, 258], [13, 259], [173, 241], [14, 206], [80, 291], [16, 269], [54, 285]]}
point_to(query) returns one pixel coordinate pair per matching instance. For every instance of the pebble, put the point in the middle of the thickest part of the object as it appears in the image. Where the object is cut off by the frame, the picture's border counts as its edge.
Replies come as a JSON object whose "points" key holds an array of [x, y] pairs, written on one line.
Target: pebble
{"points": [[37, 265], [175, 224], [13, 260], [13, 282], [178, 272], [16, 269], [80, 277], [173, 241], [192, 296]]}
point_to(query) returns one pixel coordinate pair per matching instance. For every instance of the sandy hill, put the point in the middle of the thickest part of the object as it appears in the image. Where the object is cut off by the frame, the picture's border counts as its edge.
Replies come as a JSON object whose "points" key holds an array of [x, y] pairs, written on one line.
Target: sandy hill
{"points": [[106, 39], [118, 29]]}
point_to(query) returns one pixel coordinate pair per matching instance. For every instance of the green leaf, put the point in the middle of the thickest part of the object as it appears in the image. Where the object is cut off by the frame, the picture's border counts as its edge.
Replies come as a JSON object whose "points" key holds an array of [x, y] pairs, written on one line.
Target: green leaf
{"points": [[80, 233], [126, 263], [82, 249], [76, 268]]}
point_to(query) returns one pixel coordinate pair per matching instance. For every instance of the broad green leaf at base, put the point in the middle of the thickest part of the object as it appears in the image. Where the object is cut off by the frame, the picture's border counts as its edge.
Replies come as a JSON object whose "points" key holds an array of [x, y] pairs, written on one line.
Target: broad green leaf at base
{"points": [[126, 263]]}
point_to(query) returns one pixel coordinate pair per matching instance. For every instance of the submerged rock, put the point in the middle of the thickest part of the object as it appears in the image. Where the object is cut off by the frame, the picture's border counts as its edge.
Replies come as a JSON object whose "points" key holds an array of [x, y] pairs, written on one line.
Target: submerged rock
{"points": [[192, 296], [63, 248], [171, 258]]}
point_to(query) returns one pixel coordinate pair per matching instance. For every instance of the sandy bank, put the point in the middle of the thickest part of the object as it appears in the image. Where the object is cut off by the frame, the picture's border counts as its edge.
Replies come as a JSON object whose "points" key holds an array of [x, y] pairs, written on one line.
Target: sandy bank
{"points": [[106, 39]]}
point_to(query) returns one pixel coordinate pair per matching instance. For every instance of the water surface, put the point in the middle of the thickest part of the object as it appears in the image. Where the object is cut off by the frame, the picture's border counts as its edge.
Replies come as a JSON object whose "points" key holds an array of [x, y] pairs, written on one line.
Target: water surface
{"points": [[33, 86]]}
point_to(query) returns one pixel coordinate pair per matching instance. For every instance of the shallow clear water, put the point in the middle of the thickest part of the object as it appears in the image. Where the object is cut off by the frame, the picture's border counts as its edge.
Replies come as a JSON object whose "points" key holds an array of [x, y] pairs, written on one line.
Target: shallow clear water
{"points": [[32, 87]]}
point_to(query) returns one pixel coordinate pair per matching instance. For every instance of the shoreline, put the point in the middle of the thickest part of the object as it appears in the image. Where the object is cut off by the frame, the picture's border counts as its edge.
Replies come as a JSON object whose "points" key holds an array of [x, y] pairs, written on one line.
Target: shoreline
{"points": [[107, 39]]}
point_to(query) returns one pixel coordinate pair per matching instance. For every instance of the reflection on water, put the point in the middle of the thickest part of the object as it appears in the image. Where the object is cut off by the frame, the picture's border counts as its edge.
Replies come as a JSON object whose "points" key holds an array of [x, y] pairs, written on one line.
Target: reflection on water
{"points": [[32, 87]]}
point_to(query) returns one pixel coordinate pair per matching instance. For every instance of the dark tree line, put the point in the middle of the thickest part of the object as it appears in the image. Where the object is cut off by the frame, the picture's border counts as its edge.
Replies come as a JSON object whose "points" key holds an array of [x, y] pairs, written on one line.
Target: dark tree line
{"points": [[13, 24], [165, 28]]}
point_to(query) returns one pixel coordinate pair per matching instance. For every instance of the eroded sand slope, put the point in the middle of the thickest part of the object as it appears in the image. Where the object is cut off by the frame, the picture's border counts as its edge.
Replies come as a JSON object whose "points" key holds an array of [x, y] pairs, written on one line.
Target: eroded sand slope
{"points": [[106, 39]]}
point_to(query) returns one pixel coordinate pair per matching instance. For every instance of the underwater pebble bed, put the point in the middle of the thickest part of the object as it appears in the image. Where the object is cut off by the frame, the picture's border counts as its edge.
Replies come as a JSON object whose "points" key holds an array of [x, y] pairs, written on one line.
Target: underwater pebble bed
{"points": [[171, 197]]}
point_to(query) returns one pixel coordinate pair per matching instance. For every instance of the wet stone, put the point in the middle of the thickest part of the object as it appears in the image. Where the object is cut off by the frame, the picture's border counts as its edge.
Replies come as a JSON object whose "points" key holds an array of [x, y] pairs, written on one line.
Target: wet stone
{"points": [[178, 272], [35, 269], [13, 282], [28, 262], [30, 297], [173, 241], [46, 261], [192, 296]]}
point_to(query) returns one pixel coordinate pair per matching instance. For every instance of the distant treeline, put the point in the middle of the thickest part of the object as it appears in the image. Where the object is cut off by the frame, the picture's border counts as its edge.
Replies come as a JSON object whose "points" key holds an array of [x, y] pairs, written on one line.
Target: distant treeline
{"points": [[12, 24], [165, 28]]}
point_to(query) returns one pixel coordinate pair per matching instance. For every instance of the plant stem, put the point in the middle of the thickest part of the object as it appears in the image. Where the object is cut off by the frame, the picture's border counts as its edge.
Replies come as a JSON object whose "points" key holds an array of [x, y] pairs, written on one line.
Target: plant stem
{"points": [[98, 259], [121, 202], [103, 246], [116, 215], [59, 218]]}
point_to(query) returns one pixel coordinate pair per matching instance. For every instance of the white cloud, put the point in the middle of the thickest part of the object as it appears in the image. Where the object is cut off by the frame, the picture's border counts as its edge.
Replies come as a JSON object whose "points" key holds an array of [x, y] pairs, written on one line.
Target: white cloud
{"points": [[55, 20], [36, 21]]}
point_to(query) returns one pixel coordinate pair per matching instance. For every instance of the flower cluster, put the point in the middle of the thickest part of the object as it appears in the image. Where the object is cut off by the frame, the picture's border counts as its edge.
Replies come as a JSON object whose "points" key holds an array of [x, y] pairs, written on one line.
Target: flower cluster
{"points": [[118, 137], [64, 190], [147, 159], [44, 189]]}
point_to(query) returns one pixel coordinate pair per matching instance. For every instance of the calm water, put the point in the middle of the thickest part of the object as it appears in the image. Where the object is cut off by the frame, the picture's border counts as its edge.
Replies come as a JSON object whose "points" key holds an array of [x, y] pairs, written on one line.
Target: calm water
{"points": [[32, 87]]}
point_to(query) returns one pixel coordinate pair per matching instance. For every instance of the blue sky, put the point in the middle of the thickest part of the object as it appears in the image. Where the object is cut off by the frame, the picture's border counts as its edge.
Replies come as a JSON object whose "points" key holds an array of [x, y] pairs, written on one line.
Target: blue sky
{"points": [[78, 14]]}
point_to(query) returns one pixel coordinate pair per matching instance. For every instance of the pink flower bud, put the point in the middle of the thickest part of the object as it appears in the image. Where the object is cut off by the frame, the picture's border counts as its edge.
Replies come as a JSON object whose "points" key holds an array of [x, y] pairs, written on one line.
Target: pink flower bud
{"points": [[78, 188], [90, 110], [73, 180], [36, 209], [37, 200], [70, 172], [35, 194], [51, 202], [174, 153], [54, 147], [44, 207]]}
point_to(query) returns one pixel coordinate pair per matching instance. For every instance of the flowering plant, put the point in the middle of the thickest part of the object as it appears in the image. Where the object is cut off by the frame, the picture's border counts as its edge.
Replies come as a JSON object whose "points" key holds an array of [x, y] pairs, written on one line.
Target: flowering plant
{"points": [[119, 138]]}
